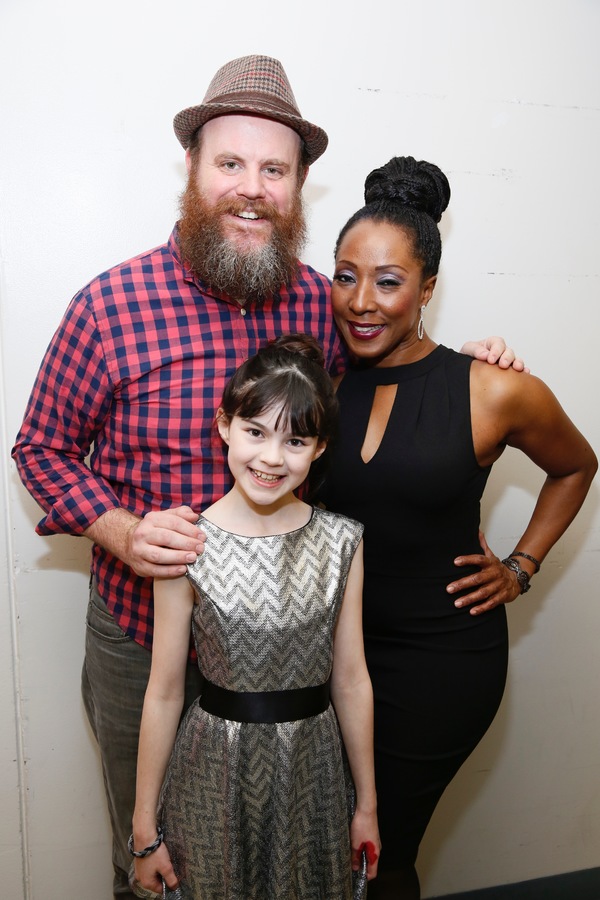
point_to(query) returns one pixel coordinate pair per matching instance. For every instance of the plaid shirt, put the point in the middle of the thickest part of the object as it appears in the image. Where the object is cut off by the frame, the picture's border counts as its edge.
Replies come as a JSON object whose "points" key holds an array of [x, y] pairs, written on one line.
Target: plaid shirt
{"points": [[135, 373]]}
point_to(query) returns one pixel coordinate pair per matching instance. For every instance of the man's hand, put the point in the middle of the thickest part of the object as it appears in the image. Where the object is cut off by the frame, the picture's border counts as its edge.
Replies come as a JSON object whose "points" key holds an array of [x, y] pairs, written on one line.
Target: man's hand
{"points": [[158, 546], [494, 351], [165, 541], [492, 585]]}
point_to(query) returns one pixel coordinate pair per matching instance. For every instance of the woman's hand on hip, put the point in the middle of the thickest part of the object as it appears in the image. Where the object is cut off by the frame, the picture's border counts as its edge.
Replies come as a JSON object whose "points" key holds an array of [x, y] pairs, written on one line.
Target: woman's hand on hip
{"points": [[492, 585]]}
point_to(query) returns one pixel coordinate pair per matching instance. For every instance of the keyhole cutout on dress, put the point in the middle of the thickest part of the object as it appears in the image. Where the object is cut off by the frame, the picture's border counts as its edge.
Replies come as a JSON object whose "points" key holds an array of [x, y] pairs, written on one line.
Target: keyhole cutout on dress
{"points": [[385, 394]]}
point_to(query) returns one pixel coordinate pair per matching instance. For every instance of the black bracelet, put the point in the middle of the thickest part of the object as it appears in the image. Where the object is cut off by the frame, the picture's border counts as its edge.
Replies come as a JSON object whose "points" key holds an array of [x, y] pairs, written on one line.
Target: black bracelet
{"points": [[522, 575], [532, 559], [139, 854]]}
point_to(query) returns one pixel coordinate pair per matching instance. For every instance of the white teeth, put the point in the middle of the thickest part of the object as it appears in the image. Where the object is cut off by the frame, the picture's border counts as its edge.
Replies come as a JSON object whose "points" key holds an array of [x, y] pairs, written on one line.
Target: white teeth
{"points": [[367, 328], [248, 215], [264, 477]]}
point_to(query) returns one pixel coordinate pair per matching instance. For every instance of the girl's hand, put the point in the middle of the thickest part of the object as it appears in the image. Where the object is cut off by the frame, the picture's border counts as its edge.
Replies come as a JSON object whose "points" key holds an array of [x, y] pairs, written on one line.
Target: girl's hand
{"points": [[364, 835], [150, 871]]}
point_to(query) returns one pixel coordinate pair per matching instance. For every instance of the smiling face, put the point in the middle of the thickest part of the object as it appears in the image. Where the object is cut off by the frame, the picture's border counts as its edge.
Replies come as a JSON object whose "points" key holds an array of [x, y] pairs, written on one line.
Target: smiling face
{"points": [[242, 226], [267, 460], [377, 293], [248, 167]]}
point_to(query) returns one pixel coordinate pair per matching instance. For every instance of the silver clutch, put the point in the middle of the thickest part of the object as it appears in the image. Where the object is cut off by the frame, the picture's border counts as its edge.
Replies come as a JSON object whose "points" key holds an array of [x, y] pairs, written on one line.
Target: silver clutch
{"points": [[359, 879]]}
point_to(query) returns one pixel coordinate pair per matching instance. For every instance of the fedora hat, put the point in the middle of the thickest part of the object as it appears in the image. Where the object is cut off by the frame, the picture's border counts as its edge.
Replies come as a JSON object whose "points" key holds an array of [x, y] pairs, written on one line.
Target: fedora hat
{"points": [[251, 84]]}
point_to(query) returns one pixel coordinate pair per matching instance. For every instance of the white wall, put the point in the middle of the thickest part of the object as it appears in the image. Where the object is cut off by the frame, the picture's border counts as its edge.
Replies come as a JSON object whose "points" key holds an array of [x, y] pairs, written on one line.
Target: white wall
{"points": [[505, 97]]}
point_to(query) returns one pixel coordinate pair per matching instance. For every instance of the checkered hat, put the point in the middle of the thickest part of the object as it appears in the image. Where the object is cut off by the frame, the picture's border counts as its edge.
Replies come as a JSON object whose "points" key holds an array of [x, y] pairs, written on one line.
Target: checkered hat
{"points": [[251, 84]]}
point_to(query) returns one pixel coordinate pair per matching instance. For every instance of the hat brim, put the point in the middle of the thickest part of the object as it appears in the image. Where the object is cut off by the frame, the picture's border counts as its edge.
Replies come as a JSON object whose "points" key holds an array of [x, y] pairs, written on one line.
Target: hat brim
{"points": [[189, 120]]}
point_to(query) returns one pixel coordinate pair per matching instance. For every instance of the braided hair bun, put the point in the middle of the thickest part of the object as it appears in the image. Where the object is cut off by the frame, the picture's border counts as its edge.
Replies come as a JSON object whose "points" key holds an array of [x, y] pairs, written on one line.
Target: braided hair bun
{"points": [[418, 185]]}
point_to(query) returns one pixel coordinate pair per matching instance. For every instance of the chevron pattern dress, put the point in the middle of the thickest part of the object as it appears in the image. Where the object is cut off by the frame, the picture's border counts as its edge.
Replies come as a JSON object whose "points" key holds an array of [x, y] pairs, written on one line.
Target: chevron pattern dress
{"points": [[254, 811]]}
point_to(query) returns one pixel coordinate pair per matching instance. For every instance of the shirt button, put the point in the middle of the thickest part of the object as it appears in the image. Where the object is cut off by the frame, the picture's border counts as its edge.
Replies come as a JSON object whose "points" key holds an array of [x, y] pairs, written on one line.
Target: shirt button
{"points": [[243, 311]]}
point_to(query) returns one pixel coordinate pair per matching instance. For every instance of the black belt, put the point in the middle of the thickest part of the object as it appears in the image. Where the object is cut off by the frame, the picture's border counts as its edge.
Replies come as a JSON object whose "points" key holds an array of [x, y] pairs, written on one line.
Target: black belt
{"points": [[264, 706]]}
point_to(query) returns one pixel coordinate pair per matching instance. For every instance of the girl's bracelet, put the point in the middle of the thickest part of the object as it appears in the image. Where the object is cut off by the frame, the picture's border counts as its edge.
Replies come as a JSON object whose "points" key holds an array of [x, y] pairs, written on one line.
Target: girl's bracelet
{"points": [[139, 854]]}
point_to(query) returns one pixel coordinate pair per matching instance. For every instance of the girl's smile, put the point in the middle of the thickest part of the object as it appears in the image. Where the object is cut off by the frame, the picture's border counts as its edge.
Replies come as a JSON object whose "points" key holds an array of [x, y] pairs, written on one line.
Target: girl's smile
{"points": [[267, 460], [267, 479]]}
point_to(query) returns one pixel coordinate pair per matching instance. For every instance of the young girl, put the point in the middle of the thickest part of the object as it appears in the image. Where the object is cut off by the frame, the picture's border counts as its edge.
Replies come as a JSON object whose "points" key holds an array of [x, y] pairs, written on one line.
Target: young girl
{"points": [[254, 801]]}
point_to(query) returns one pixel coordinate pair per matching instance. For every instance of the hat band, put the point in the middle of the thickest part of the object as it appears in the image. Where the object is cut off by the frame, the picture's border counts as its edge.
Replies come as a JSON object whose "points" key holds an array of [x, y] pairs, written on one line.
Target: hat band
{"points": [[254, 98]]}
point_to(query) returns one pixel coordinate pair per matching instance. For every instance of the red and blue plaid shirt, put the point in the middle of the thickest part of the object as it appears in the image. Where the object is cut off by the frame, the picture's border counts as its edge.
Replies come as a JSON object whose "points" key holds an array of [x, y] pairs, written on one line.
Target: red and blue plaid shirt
{"points": [[135, 374]]}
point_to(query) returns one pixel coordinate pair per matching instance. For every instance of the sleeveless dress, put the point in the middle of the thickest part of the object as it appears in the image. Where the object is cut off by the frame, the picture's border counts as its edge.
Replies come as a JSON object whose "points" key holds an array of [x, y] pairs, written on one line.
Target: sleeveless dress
{"points": [[255, 811], [438, 673]]}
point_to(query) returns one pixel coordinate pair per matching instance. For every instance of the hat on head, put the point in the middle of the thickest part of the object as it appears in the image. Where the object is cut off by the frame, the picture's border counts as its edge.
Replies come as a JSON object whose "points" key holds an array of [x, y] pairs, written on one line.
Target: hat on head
{"points": [[251, 84]]}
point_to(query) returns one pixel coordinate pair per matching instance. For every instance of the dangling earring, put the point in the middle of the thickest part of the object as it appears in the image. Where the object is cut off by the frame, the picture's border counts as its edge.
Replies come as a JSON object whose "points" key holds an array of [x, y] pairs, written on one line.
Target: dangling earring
{"points": [[421, 325]]}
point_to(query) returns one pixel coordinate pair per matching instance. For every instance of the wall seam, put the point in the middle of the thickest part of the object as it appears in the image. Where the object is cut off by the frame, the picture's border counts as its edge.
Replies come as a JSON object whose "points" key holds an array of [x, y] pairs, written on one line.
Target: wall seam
{"points": [[14, 624]]}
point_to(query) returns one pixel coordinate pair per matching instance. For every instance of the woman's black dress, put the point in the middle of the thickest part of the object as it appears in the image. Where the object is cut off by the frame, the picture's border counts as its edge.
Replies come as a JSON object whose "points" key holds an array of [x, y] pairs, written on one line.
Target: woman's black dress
{"points": [[438, 673]]}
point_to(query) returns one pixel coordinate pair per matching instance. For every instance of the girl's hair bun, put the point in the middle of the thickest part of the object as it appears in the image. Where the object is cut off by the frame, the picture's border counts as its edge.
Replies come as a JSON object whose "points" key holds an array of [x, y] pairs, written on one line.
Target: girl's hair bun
{"points": [[304, 344]]}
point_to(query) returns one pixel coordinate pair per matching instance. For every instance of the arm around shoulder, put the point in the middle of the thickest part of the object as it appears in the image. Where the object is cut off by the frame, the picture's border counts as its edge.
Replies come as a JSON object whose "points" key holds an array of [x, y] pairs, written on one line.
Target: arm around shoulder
{"points": [[494, 351]]}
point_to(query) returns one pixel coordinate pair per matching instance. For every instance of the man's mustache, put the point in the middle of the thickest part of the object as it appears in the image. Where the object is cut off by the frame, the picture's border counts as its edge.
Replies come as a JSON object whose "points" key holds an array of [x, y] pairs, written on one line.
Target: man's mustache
{"points": [[261, 208]]}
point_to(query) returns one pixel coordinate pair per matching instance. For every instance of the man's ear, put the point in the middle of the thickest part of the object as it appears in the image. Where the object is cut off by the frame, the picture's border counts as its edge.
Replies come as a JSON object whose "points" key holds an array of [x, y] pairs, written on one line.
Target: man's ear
{"points": [[188, 160], [223, 425]]}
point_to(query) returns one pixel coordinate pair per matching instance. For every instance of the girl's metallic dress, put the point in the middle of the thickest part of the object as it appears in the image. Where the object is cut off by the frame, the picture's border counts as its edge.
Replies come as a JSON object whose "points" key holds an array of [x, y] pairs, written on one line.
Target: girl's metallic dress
{"points": [[258, 809]]}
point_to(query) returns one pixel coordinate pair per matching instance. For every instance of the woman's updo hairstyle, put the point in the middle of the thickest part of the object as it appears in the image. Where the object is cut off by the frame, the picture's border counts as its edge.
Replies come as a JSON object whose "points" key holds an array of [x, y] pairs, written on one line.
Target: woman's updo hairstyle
{"points": [[412, 195]]}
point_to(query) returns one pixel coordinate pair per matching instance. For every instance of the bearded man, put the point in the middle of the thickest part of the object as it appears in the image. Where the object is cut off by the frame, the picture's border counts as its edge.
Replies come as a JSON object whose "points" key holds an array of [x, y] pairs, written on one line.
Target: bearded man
{"points": [[135, 373], [241, 238]]}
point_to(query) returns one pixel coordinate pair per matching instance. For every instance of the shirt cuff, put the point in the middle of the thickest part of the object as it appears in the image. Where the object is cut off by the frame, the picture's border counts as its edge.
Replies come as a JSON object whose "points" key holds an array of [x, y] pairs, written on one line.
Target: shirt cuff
{"points": [[78, 509]]}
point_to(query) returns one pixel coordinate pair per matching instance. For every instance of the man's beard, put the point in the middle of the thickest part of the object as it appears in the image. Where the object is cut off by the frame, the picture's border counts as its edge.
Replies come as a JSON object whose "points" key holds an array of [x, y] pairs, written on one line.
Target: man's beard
{"points": [[243, 274]]}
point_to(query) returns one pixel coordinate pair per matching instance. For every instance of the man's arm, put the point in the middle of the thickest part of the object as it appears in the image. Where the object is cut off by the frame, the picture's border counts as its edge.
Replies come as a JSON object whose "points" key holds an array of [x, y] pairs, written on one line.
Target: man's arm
{"points": [[67, 410], [68, 406], [160, 545]]}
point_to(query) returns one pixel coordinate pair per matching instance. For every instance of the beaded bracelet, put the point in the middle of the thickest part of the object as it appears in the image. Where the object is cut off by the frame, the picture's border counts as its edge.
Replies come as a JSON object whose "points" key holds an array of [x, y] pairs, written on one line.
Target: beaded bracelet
{"points": [[532, 559], [139, 854]]}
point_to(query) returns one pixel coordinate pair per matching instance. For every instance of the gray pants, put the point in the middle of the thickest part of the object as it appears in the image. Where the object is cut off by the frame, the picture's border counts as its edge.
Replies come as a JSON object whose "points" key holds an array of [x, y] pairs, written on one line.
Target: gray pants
{"points": [[114, 678]]}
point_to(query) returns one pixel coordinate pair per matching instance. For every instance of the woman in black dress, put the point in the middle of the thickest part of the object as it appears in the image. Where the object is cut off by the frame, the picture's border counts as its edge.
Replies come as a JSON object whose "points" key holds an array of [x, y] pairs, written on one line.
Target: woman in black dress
{"points": [[421, 427]]}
